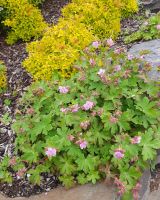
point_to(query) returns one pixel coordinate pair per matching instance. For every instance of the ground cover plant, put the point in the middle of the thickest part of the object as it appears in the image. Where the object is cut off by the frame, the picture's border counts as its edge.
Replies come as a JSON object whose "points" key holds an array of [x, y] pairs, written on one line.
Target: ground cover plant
{"points": [[24, 20], [60, 46], [101, 123], [148, 31]]}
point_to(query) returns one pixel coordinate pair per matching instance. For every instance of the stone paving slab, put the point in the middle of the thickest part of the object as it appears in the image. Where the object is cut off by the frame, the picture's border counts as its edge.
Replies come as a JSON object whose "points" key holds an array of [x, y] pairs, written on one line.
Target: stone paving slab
{"points": [[99, 191], [154, 195]]}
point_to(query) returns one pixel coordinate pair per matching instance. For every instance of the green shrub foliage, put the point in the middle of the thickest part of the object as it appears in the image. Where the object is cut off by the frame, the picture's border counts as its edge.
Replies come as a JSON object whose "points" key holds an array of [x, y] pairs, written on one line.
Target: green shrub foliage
{"points": [[80, 24], [24, 19]]}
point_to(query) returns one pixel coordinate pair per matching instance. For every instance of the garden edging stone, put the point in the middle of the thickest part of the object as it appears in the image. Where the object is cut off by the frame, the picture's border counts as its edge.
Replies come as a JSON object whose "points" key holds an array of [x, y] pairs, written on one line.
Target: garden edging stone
{"points": [[100, 191]]}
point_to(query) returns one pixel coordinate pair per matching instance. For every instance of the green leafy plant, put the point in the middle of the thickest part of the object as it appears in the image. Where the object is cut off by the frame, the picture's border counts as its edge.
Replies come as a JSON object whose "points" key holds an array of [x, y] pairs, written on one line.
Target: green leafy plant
{"points": [[101, 123], [5, 119], [148, 31]]}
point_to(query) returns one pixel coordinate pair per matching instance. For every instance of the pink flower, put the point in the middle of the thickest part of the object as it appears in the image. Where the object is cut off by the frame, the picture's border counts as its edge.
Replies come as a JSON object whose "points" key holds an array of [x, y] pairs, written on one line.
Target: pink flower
{"points": [[95, 44], [84, 125], [130, 57], [117, 68], [101, 72], [117, 51], [70, 137], [64, 110], [88, 105], [113, 119], [30, 111], [83, 144], [94, 113], [63, 89], [142, 56], [50, 152], [110, 42], [92, 62], [118, 113], [158, 27], [119, 153], [136, 140], [75, 108]]}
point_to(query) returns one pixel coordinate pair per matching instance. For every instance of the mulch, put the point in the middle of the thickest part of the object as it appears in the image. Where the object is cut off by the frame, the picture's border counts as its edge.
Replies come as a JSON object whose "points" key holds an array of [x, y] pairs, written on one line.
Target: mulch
{"points": [[18, 80]]}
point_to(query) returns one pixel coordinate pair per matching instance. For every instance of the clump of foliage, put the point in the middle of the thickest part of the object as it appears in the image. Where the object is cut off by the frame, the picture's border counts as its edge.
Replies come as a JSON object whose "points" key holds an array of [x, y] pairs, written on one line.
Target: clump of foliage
{"points": [[57, 50], [82, 22], [129, 7], [148, 31], [101, 123], [24, 19], [3, 76], [102, 17]]}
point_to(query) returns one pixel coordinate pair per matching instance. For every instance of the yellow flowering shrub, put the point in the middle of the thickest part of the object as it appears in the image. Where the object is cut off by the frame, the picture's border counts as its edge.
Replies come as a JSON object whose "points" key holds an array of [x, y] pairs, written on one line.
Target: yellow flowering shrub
{"points": [[57, 50], [24, 19], [129, 7], [3, 76], [82, 22], [100, 16]]}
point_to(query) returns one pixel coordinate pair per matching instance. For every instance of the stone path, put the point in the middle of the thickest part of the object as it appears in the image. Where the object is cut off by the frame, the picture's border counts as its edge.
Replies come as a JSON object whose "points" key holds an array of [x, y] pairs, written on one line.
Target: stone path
{"points": [[154, 195], [86, 192]]}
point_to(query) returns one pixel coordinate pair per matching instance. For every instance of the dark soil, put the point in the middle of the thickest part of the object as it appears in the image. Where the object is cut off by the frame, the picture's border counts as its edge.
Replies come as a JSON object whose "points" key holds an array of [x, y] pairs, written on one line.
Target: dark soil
{"points": [[18, 80], [51, 10], [24, 188]]}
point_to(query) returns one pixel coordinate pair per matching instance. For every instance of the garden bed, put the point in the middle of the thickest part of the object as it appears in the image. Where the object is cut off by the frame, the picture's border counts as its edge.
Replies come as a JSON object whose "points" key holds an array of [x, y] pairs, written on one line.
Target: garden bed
{"points": [[19, 79]]}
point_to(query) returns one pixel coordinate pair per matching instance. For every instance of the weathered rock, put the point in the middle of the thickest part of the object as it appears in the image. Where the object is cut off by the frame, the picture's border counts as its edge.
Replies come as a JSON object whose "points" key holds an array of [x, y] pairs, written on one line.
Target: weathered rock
{"points": [[153, 55], [151, 4], [154, 195]]}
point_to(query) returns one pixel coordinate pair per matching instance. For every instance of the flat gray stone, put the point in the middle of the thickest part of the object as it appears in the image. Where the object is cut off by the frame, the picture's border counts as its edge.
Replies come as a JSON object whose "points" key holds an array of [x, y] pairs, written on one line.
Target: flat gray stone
{"points": [[153, 56], [154, 195]]}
